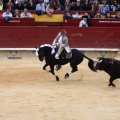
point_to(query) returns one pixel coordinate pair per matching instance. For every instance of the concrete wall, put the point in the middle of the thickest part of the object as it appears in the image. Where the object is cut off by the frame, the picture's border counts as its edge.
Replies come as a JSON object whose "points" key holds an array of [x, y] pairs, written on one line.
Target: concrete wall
{"points": [[23, 54]]}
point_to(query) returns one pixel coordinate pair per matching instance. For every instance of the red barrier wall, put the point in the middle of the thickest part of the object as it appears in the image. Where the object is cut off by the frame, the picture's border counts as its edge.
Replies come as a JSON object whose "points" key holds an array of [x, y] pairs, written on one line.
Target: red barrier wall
{"points": [[95, 22], [18, 22], [29, 37]]}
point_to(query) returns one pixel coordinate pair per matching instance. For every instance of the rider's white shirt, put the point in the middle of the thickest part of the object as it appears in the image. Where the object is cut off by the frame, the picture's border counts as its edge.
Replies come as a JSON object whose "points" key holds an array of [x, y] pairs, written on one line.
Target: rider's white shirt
{"points": [[60, 39], [83, 23]]}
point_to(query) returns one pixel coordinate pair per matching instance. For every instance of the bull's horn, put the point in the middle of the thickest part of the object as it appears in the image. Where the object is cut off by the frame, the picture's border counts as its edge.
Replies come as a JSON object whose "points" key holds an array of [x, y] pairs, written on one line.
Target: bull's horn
{"points": [[99, 61], [98, 57]]}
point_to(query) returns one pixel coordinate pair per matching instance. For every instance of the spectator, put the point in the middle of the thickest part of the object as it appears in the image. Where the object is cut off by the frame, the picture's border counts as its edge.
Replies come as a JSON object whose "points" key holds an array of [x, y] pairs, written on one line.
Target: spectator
{"points": [[46, 1], [7, 15], [67, 15], [104, 8], [10, 5], [25, 14], [58, 5], [88, 19], [98, 15], [108, 15], [1, 5], [67, 5], [25, 2], [19, 5], [87, 6], [78, 5], [17, 1], [83, 22], [77, 15], [50, 8], [95, 7], [72, 1], [108, 1], [115, 6], [36, 2], [72, 6], [62, 2], [30, 5], [16, 13], [117, 15], [5, 2], [40, 8]]}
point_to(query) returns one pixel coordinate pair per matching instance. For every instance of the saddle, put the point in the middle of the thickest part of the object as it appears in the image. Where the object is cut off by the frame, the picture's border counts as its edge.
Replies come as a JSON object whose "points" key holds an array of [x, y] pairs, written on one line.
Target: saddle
{"points": [[65, 55]]}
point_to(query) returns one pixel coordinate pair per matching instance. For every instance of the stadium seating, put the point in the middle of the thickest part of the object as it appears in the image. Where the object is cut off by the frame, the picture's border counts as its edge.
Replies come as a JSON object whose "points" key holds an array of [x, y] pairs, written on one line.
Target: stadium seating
{"points": [[57, 20]]}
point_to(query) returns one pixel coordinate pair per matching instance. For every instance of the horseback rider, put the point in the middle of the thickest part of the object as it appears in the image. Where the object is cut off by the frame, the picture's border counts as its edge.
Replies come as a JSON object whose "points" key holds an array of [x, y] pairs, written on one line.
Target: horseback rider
{"points": [[61, 41]]}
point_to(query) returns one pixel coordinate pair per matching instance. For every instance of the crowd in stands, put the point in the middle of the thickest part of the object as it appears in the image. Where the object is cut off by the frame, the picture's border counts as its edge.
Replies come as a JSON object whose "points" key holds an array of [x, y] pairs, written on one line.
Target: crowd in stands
{"points": [[96, 8], [8, 14]]}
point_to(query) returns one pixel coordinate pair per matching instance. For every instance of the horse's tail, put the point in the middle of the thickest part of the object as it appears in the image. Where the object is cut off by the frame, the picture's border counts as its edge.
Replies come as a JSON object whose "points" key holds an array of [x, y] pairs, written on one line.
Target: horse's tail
{"points": [[90, 64]]}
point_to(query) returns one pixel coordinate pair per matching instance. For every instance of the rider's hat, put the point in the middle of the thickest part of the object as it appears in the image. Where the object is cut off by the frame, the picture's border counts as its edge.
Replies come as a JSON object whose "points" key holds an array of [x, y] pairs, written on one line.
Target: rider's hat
{"points": [[85, 16]]}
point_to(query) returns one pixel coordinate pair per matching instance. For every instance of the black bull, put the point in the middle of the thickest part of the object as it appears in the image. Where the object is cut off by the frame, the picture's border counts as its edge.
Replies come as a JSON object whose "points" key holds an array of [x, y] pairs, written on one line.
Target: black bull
{"points": [[44, 52], [110, 66]]}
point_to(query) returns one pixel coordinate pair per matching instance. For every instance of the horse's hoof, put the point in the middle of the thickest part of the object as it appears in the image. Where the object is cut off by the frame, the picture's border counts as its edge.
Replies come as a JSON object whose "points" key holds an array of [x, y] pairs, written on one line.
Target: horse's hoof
{"points": [[67, 75], [43, 68], [57, 68], [57, 78], [112, 85]]}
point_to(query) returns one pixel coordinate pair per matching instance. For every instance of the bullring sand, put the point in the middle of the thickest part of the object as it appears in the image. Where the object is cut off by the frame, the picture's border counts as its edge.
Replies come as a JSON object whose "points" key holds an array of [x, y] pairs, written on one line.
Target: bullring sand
{"points": [[29, 93]]}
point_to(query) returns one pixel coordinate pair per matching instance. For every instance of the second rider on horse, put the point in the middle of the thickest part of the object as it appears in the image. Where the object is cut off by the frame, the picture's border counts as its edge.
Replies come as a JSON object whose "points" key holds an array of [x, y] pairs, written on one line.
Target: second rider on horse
{"points": [[61, 41]]}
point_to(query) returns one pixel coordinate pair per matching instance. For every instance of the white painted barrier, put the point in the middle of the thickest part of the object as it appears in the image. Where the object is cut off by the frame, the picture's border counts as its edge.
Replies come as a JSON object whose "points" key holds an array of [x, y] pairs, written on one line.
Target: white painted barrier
{"points": [[81, 49]]}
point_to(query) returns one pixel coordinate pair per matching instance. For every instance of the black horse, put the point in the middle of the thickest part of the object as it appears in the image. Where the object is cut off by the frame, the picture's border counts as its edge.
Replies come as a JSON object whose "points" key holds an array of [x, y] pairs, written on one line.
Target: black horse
{"points": [[44, 52]]}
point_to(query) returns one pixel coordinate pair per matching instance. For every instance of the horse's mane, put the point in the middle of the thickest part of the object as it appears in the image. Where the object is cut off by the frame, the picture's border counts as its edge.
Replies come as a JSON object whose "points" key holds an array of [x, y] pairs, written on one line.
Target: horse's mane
{"points": [[46, 45]]}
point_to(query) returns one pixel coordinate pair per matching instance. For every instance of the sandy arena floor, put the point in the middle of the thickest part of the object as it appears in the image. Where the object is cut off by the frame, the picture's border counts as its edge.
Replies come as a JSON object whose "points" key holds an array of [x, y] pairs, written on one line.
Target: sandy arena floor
{"points": [[29, 93]]}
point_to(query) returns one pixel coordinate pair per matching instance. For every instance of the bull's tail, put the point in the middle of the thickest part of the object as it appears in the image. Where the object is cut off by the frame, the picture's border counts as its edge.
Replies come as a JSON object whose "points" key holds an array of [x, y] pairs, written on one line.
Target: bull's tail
{"points": [[90, 63]]}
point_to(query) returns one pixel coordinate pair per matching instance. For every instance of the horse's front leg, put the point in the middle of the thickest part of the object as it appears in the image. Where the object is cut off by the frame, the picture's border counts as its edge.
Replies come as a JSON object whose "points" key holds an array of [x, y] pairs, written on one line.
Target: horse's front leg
{"points": [[44, 68], [74, 69], [52, 71], [58, 67]]}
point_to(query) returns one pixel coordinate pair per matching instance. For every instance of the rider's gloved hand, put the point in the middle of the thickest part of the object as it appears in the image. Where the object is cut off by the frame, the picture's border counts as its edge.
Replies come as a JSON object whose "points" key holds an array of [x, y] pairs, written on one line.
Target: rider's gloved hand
{"points": [[53, 44], [62, 45], [57, 44]]}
